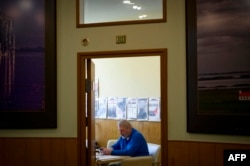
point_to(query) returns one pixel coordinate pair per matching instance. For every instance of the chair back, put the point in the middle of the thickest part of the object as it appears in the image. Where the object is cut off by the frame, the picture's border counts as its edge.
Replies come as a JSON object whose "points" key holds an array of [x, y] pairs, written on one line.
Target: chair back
{"points": [[154, 151], [111, 142]]}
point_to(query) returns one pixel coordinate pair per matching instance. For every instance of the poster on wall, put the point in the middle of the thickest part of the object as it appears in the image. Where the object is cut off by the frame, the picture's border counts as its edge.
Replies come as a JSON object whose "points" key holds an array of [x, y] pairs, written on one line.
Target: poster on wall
{"points": [[154, 110], [142, 109], [101, 110], [112, 108], [132, 108], [121, 109]]}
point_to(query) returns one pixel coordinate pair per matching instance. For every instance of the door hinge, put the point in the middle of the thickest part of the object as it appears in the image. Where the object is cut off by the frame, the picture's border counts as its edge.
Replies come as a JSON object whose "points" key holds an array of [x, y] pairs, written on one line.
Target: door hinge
{"points": [[87, 86]]}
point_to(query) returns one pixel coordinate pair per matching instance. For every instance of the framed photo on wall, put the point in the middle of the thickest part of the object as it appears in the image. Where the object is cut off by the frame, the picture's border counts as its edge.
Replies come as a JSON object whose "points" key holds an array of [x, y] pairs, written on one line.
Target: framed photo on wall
{"points": [[218, 67], [28, 64]]}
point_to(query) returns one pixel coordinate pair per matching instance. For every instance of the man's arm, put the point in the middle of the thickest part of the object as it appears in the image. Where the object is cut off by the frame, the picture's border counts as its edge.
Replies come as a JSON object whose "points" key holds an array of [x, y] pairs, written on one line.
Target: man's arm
{"points": [[132, 147], [117, 145]]}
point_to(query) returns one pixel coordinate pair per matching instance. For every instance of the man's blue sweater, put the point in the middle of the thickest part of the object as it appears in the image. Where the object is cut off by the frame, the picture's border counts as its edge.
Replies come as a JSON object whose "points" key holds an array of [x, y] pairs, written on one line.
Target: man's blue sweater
{"points": [[135, 145]]}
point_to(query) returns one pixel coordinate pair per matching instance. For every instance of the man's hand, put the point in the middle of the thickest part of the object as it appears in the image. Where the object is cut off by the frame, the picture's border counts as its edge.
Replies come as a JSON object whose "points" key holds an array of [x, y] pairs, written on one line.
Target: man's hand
{"points": [[106, 151]]}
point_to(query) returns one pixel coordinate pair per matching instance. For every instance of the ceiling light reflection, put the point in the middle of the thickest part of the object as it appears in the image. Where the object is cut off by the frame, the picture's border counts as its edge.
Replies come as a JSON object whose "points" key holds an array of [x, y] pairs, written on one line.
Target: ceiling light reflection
{"points": [[136, 7], [142, 16], [128, 2]]}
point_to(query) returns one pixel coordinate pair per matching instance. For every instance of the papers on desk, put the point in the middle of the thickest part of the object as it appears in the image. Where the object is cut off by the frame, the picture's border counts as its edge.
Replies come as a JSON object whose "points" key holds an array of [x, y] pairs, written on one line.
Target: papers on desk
{"points": [[110, 157], [103, 157]]}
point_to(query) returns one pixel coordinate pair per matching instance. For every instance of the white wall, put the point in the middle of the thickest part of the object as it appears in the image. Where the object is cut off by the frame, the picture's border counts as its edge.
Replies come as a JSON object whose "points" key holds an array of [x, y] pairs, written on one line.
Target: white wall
{"points": [[128, 77], [170, 35]]}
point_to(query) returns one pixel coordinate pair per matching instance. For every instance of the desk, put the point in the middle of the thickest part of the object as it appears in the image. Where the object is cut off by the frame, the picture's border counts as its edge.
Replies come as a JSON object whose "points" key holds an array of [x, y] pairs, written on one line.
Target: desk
{"points": [[102, 160]]}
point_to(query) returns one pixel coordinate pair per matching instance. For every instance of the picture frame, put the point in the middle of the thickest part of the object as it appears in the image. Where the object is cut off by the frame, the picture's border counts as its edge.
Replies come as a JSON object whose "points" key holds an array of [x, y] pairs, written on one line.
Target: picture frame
{"points": [[222, 109], [91, 13], [46, 115]]}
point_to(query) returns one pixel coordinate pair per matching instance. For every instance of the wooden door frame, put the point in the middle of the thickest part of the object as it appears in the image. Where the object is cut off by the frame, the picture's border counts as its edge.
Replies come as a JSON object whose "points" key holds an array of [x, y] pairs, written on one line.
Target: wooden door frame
{"points": [[81, 131]]}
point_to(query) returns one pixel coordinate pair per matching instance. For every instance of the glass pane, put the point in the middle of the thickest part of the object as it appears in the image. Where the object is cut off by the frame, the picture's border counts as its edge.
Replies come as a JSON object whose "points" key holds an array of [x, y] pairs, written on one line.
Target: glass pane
{"points": [[110, 11]]}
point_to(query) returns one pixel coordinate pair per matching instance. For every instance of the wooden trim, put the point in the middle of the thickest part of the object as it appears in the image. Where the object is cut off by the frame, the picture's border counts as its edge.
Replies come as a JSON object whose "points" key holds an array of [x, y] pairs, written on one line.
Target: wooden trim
{"points": [[1, 151], [164, 109], [162, 53], [81, 122]]}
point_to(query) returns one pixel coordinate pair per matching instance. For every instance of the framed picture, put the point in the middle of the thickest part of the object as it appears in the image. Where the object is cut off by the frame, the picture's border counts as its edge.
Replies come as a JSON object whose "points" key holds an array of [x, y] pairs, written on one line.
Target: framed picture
{"points": [[28, 64], [218, 67]]}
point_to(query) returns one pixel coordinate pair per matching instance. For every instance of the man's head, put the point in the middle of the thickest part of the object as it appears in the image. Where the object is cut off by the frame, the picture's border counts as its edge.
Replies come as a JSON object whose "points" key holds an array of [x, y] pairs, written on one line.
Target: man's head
{"points": [[125, 128]]}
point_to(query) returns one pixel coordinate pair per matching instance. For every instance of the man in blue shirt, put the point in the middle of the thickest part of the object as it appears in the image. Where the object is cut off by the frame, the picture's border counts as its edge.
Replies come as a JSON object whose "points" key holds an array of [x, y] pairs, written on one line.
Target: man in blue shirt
{"points": [[131, 143]]}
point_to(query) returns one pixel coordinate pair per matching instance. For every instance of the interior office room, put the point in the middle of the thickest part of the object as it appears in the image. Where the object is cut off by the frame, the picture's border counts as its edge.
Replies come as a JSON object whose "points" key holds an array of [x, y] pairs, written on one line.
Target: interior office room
{"points": [[60, 146], [118, 85], [117, 79]]}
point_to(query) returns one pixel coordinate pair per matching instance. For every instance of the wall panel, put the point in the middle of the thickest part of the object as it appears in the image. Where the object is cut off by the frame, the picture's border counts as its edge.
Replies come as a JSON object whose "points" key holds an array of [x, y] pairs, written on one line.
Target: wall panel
{"points": [[193, 152], [14, 152], [63, 152], [1, 151], [32, 152], [177, 154], [185, 153], [70, 146], [45, 151], [57, 152], [38, 152], [207, 153]]}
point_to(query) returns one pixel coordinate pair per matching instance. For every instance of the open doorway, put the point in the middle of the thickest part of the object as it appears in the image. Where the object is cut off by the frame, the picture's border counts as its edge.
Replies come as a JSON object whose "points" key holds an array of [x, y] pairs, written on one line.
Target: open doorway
{"points": [[127, 80], [83, 122]]}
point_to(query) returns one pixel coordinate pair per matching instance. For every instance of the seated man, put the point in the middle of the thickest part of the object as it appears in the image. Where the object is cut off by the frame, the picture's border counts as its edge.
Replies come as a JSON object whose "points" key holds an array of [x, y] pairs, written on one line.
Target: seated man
{"points": [[131, 143]]}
